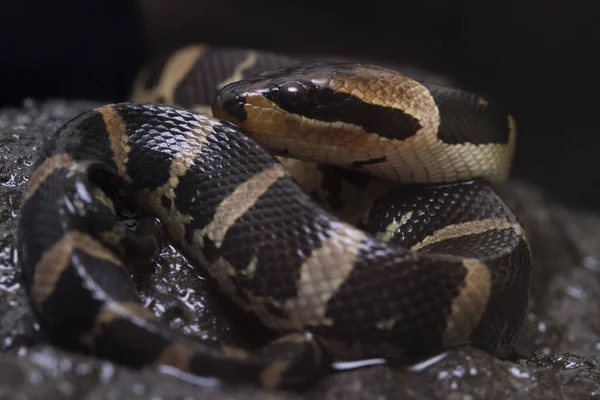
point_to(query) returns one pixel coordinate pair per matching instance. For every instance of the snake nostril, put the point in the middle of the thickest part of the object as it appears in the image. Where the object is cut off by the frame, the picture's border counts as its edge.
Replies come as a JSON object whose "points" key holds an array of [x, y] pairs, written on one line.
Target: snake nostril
{"points": [[229, 104]]}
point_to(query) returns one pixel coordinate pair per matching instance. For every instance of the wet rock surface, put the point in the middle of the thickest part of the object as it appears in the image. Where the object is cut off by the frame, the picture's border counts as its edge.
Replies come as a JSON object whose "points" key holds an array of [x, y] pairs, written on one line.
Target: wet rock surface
{"points": [[560, 341]]}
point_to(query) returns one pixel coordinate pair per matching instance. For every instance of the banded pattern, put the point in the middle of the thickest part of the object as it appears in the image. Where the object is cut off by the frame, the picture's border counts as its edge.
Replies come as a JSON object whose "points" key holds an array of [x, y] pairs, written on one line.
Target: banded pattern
{"points": [[431, 267], [191, 76], [77, 279]]}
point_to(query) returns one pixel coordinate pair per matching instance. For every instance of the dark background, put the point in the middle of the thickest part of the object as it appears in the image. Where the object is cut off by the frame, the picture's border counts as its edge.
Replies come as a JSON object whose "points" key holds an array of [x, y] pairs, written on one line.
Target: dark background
{"points": [[536, 57]]}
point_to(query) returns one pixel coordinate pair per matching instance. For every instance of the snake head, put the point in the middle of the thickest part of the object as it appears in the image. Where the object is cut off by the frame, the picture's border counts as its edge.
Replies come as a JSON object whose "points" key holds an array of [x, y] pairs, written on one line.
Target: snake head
{"points": [[327, 112], [370, 118], [288, 90]]}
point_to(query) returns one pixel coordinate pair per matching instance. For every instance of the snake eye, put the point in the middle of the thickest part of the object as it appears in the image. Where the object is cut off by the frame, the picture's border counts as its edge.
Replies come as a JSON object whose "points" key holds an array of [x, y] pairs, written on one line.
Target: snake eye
{"points": [[292, 97]]}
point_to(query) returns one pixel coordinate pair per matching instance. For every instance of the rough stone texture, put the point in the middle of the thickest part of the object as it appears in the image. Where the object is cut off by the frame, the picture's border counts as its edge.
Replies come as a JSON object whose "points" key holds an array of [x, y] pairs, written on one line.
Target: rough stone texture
{"points": [[560, 341]]}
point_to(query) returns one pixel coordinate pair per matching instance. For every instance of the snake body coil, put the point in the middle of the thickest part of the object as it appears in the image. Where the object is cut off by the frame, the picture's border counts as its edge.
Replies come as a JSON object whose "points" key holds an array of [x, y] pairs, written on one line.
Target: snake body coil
{"points": [[432, 266]]}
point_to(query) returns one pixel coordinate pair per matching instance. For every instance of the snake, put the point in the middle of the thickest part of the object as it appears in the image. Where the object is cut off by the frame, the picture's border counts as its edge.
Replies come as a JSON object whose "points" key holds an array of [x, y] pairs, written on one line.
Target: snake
{"points": [[349, 207]]}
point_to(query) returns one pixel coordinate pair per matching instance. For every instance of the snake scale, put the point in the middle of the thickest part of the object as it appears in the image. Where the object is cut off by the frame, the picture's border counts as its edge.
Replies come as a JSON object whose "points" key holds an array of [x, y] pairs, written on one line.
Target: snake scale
{"points": [[345, 266]]}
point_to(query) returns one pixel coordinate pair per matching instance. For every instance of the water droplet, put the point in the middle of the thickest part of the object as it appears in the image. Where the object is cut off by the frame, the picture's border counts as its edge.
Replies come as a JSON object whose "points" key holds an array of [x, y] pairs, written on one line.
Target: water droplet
{"points": [[107, 371], [35, 377], [516, 372], [346, 365], [571, 365], [546, 351], [577, 292], [459, 371], [159, 308], [189, 378], [10, 288], [83, 369], [66, 364], [138, 389], [427, 363], [591, 263], [542, 327]]}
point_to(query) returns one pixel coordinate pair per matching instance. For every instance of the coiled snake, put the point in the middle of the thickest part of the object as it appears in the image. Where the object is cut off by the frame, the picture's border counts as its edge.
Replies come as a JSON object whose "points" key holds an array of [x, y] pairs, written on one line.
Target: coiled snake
{"points": [[426, 267]]}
